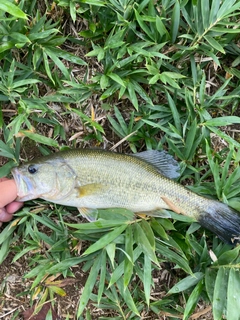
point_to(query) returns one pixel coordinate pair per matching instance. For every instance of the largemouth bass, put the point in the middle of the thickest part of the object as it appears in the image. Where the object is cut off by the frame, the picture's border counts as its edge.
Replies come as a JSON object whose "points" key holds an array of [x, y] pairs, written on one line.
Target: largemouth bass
{"points": [[96, 179]]}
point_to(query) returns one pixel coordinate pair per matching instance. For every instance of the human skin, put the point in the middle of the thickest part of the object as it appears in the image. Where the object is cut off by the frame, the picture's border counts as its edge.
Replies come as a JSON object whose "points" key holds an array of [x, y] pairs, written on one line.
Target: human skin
{"points": [[8, 194]]}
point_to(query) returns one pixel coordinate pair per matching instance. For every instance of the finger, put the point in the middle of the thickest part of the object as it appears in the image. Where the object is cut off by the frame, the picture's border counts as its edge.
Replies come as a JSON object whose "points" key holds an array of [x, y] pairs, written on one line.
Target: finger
{"points": [[5, 216], [8, 192], [3, 179], [13, 207]]}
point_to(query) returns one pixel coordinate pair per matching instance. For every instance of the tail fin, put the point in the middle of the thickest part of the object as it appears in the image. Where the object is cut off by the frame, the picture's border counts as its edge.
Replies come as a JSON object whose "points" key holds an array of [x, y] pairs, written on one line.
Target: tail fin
{"points": [[222, 220]]}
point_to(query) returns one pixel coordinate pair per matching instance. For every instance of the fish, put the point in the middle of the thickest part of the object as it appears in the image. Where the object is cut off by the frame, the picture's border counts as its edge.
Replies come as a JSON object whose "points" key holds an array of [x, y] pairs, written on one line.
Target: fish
{"points": [[145, 183]]}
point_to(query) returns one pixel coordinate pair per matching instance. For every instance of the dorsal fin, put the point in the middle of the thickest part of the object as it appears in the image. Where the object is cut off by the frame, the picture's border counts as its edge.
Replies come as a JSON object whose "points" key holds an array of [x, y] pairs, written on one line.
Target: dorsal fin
{"points": [[162, 161]]}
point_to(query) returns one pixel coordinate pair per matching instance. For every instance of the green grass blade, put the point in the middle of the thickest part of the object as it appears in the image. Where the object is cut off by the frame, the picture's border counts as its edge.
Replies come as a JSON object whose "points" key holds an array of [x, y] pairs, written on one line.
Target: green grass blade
{"points": [[173, 256], [210, 279], [39, 138], [194, 70], [91, 280], [148, 232], [226, 8], [193, 300], [223, 121], [220, 293], [132, 94], [147, 278], [186, 283], [128, 261], [224, 136], [102, 277], [7, 6], [119, 270], [190, 139], [175, 21], [205, 10], [115, 77], [105, 240], [175, 113], [214, 11], [127, 297], [214, 43], [143, 25], [233, 295], [142, 240], [54, 57], [111, 251], [161, 27]]}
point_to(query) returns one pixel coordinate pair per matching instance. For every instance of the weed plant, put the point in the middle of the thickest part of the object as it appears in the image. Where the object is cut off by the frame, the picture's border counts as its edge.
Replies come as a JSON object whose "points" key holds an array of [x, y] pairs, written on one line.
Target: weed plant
{"points": [[157, 75]]}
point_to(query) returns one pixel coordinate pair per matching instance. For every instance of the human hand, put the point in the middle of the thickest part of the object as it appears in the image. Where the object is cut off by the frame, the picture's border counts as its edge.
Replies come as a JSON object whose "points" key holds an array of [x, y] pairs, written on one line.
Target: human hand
{"points": [[8, 193]]}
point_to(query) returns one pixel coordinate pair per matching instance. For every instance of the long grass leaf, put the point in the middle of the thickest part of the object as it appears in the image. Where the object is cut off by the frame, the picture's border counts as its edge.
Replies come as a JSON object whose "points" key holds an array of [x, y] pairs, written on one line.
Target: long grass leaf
{"points": [[210, 279], [102, 277], [127, 297], [186, 283], [175, 21], [147, 278], [214, 43], [39, 138], [142, 240], [105, 240], [173, 256], [223, 121], [214, 11], [58, 62], [224, 136], [7, 6], [175, 113], [233, 295], [190, 139], [143, 25], [220, 293], [119, 270], [132, 94], [226, 8], [91, 280], [128, 261], [193, 300], [205, 10]]}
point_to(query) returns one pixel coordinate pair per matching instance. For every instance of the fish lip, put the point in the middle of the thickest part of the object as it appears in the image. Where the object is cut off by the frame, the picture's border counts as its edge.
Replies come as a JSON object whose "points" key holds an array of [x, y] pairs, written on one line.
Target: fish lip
{"points": [[25, 187]]}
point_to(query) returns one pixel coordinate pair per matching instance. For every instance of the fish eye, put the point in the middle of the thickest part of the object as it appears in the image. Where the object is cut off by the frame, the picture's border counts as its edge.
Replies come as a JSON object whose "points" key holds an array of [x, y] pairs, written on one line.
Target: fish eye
{"points": [[32, 169]]}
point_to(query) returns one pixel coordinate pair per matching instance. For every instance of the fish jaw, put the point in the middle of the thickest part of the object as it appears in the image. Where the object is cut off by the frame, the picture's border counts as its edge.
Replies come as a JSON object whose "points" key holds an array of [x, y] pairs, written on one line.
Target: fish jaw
{"points": [[25, 187]]}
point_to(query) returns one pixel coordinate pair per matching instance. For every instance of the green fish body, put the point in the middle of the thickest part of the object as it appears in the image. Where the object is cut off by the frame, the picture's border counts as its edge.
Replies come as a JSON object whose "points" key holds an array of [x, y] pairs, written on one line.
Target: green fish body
{"points": [[96, 179]]}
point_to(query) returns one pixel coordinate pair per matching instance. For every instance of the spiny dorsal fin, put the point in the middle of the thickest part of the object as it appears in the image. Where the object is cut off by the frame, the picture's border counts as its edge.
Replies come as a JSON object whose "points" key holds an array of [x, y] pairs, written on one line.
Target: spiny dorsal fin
{"points": [[162, 161]]}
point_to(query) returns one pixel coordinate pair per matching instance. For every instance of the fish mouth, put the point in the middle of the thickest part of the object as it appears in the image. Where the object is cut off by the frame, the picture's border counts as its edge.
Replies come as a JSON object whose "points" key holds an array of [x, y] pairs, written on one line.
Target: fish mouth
{"points": [[25, 187]]}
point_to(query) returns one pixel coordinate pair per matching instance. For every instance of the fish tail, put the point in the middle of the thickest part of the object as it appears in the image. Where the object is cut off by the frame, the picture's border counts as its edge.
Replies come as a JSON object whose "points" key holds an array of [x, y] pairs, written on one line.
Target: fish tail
{"points": [[222, 220]]}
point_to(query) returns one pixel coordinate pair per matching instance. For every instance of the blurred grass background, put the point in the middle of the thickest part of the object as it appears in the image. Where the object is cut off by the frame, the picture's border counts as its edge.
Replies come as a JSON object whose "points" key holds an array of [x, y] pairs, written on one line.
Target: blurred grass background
{"points": [[127, 76]]}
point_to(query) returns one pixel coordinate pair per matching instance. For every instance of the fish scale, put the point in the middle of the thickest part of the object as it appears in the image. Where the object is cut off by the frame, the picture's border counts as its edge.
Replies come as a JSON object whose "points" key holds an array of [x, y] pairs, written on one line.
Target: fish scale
{"points": [[92, 179]]}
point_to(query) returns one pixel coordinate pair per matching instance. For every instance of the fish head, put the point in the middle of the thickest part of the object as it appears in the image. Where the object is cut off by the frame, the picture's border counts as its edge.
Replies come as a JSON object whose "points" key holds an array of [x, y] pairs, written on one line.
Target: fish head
{"points": [[46, 178]]}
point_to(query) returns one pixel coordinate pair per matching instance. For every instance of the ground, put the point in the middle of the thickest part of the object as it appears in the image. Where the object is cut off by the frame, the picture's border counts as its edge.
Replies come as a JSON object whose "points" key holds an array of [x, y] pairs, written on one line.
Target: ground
{"points": [[14, 302], [14, 298]]}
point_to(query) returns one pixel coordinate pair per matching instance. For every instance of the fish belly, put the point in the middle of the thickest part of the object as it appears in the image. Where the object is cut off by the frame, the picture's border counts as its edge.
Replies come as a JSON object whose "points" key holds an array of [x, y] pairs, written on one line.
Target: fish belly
{"points": [[112, 196]]}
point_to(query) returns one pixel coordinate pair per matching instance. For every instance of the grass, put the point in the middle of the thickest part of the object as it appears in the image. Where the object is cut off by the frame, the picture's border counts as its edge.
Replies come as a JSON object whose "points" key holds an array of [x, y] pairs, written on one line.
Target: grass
{"points": [[128, 75]]}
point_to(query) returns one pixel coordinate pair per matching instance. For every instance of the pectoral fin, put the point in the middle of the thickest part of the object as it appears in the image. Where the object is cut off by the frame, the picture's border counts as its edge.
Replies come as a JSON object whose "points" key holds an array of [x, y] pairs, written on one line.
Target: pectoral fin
{"points": [[171, 205], [89, 214], [90, 189]]}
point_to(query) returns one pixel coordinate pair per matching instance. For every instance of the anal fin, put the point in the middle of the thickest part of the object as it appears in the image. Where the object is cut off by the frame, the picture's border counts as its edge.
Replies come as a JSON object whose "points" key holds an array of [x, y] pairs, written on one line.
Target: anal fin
{"points": [[171, 205], [158, 213]]}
